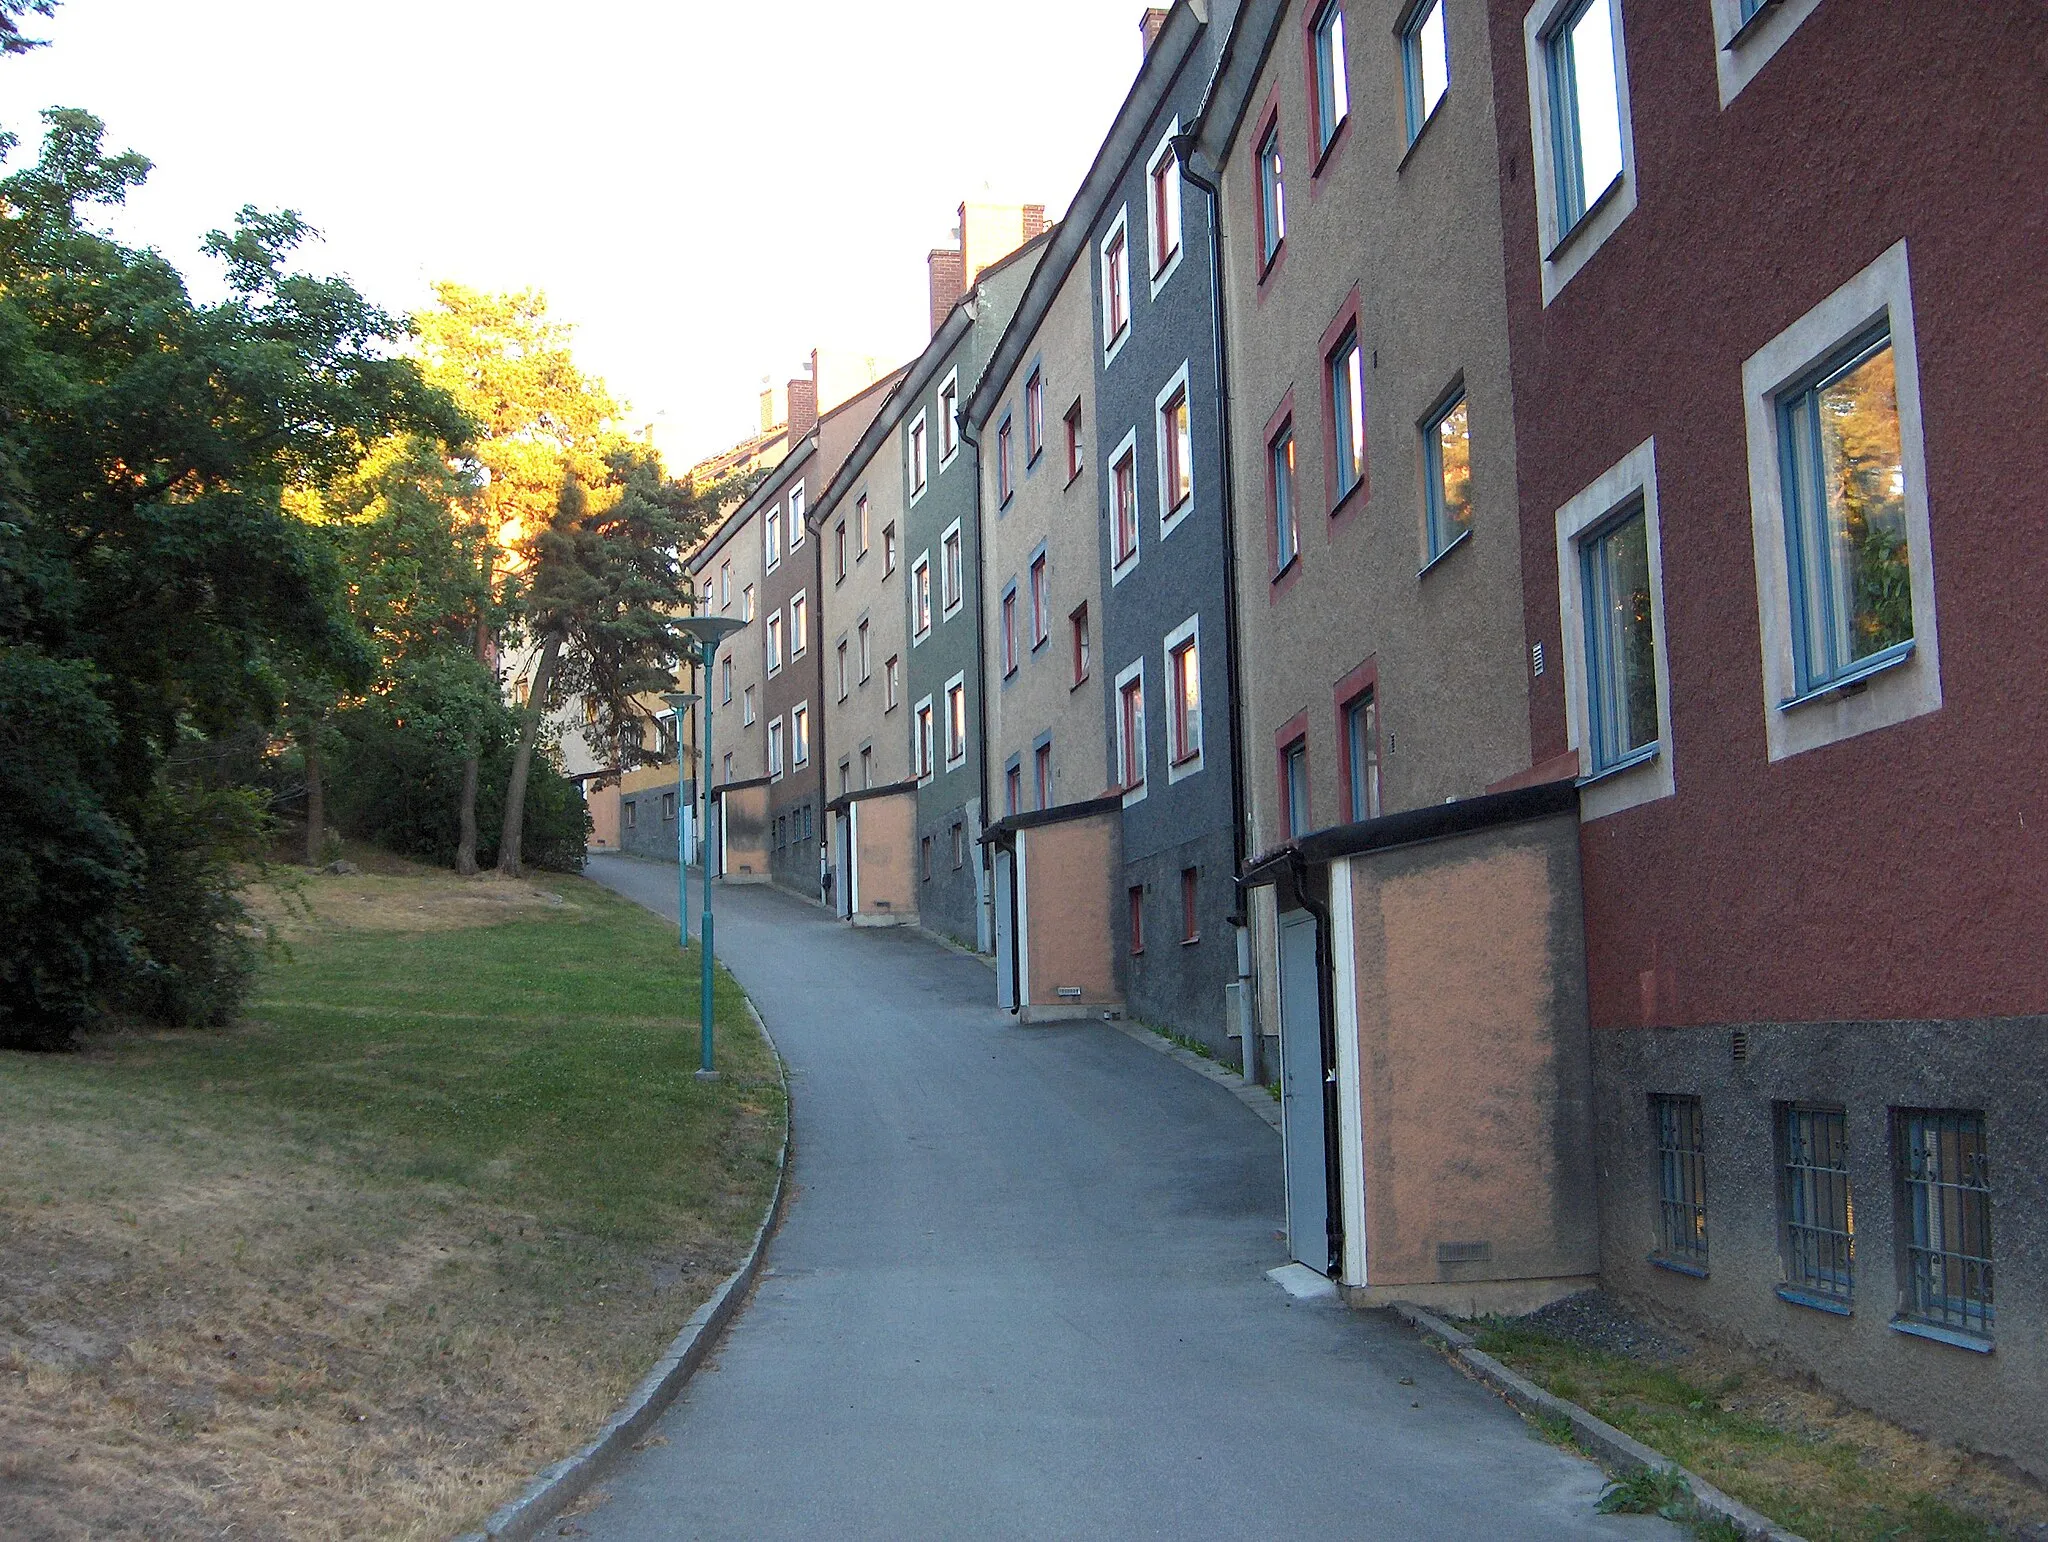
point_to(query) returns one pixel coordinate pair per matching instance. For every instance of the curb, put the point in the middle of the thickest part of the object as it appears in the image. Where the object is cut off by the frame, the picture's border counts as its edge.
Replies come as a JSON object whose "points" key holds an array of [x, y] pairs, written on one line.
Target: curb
{"points": [[1602, 1441], [1252, 1096], [557, 1487]]}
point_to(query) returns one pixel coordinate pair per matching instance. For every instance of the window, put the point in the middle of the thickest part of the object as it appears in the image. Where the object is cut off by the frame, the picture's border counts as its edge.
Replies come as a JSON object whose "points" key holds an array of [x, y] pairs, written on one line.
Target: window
{"points": [[840, 662], [1137, 915], [1176, 454], [924, 858], [1362, 753], [1294, 788], [860, 526], [1611, 599], [1190, 921], [949, 571], [949, 418], [1330, 102], [725, 681], [866, 653], [891, 678], [839, 551], [1184, 699], [1009, 631], [1286, 533], [1580, 136], [747, 603], [1074, 451], [920, 597], [726, 775], [1272, 204], [1944, 1178], [796, 516], [1123, 496], [1425, 63], [867, 766], [1034, 418], [1041, 619], [1078, 624], [919, 472], [668, 808], [799, 626], [1447, 456], [923, 744], [1116, 288], [747, 707], [1130, 728], [775, 747], [774, 642], [771, 538], [1816, 1218], [1041, 773], [1162, 176], [1346, 370], [956, 722], [1003, 482], [959, 844], [1680, 1131], [1013, 788], [845, 777], [1746, 35], [724, 585], [888, 550], [630, 810], [800, 735]]}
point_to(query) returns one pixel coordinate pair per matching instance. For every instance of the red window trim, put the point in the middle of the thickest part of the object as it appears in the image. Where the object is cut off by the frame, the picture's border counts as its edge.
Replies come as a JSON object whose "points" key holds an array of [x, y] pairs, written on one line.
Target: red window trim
{"points": [[1118, 552], [1190, 906], [1269, 123], [1366, 677], [1324, 161], [1136, 916], [1181, 751], [1130, 735], [1170, 443], [1356, 499], [1077, 623], [1076, 461], [1038, 575], [1285, 579], [1009, 631], [1118, 239], [1290, 733]]}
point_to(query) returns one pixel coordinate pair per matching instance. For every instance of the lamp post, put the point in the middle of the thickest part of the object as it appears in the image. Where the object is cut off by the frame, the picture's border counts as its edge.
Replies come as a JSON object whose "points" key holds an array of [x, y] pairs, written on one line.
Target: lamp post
{"points": [[678, 703], [707, 632]]}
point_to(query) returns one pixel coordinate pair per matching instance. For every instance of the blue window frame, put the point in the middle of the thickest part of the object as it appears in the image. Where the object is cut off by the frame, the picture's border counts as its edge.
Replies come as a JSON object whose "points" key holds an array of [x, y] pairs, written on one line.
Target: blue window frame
{"points": [[1294, 772], [1751, 7], [1817, 1214], [1585, 107], [1845, 516], [1347, 413], [1944, 1170], [1447, 453], [1621, 657], [1332, 91], [1272, 197], [1286, 531], [1362, 743], [1681, 1183], [1425, 62]]}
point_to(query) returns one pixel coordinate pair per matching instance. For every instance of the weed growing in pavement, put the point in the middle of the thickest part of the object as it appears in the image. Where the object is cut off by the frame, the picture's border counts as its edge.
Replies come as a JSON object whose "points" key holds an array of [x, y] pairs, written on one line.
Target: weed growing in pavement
{"points": [[1648, 1491]]}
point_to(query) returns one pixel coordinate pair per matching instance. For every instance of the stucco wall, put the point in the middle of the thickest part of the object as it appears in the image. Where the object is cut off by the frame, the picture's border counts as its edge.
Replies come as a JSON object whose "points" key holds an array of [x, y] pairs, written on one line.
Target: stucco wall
{"points": [[651, 833], [738, 542], [603, 803], [1069, 872], [746, 833], [1476, 1114], [867, 593], [888, 875]]}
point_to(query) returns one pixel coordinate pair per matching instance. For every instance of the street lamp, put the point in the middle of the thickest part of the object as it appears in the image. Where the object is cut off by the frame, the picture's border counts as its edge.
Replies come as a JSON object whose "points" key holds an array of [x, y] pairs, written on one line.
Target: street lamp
{"points": [[707, 632], [678, 703]]}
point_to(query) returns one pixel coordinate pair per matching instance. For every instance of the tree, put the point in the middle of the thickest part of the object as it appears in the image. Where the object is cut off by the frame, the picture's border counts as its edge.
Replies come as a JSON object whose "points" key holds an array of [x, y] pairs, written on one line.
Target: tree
{"points": [[11, 40]]}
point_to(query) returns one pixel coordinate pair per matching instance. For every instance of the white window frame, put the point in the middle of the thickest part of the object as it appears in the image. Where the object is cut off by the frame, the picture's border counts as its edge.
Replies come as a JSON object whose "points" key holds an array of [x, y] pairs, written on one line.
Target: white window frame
{"points": [[771, 538], [799, 624], [775, 749], [800, 741], [1135, 670], [1743, 48], [1120, 568], [1912, 687], [924, 740], [952, 586], [747, 713], [1643, 781], [1170, 519], [1120, 226], [867, 649], [917, 450], [922, 566], [725, 586], [747, 603], [892, 683], [1188, 631], [949, 421], [1563, 253], [796, 515], [725, 681], [772, 644], [1164, 156], [957, 684]]}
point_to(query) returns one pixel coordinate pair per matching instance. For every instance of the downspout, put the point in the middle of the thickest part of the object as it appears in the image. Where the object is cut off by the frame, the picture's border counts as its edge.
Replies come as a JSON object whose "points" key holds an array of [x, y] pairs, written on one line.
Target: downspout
{"points": [[816, 623], [972, 440], [1184, 152], [1326, 994]]}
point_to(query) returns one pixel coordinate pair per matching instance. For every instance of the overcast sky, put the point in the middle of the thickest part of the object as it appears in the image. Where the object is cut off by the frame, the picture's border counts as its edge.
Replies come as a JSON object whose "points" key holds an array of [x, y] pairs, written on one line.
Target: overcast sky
{"points": [[707, 190]]}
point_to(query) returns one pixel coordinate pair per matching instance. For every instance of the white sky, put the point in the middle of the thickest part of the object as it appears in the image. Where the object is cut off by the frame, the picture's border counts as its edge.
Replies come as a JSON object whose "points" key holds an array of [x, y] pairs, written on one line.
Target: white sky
{"points": [[706, 189]]}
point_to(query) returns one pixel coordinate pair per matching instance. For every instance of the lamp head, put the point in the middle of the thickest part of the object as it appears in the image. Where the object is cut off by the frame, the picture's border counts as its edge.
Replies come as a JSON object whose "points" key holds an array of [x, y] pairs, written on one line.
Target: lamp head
{"points": [[707, 632], [679, 700]]}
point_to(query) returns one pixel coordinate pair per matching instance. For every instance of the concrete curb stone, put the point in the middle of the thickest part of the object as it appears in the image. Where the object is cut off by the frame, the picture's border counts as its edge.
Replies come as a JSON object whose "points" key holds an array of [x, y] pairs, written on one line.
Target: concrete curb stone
{"points": [[1609, 1446], [1252, 1096], [557, 1487]]}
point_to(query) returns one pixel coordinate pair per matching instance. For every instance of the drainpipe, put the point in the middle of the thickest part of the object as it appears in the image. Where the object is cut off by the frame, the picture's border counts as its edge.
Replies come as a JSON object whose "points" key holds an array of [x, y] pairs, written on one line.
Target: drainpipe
{"points": [[816, 623], [970, 438], [1333, 1188], [1184, 152]]}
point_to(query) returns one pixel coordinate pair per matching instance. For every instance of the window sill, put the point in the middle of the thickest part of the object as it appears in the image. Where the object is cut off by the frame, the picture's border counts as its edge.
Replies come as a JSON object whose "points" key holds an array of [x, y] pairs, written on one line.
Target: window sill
{"points": [[1854, 680], [1286, 568], [1927, 1330], [1607, 195], [1357, 490], [1643, 757], [1115, 345], [1674, 1266], [1041, 642], [1003, 503], [1422, 129], [1272, 261], [1816, 1301], [1034, 457], [1077, 685], [1431, 566], [1073, 477], [1189, 942], [1330, 147], [1750, 28]]}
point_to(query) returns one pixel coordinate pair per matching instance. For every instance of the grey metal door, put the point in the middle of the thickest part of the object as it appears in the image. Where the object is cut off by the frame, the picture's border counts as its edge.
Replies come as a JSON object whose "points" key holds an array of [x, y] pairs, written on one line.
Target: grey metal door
{"points": [[1006, 970], [1301, 1093], [849, 861]]}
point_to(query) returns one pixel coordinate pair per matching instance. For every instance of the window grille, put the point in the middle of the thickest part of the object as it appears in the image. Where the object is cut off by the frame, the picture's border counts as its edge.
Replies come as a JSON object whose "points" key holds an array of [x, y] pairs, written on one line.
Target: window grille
{"points": [[1681, 1182], [1819, 1215], [1945, 1183]]}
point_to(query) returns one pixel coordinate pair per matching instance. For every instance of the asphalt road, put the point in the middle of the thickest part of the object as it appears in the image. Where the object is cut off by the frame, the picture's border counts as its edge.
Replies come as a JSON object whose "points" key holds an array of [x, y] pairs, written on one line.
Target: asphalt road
{"points": [[1020, 1292]]}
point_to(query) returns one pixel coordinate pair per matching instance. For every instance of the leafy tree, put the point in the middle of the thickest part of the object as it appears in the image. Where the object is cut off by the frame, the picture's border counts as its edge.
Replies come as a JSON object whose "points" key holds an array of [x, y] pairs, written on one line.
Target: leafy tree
{"points": [[11, 39]]}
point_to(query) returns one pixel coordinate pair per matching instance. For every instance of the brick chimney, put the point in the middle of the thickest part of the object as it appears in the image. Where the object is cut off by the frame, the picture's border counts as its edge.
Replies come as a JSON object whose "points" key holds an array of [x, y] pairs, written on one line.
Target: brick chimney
{"points": [[1035, 222], [949, 282], [1149, 25], [803, 402]]}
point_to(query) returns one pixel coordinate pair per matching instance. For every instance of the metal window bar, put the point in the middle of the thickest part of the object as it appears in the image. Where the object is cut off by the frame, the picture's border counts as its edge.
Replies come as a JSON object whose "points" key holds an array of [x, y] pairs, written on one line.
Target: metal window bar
{"points": [[1820, 1215], [1681, 1180], [1945, 1173]]}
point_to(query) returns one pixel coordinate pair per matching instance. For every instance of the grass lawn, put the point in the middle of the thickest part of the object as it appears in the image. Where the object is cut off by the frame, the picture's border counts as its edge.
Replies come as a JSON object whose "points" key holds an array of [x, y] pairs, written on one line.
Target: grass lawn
{"points": [[361, 1265], [1813, 1464]]}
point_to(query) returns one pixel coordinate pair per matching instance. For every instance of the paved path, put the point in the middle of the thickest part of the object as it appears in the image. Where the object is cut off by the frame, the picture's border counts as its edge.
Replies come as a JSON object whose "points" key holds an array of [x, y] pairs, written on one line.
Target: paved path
{"points": [[1020, 1293]]}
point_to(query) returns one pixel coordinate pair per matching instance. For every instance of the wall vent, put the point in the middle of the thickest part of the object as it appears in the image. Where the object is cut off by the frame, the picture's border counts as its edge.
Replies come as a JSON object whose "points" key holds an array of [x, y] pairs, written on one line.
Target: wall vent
{"points": [[1738, 1045], [1464, 1252]]}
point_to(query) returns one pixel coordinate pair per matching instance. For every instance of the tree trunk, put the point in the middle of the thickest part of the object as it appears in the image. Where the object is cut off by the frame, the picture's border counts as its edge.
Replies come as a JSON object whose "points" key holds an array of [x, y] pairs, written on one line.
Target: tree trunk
{"points": [[522, 758], [316, 797], [465, 847]]}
